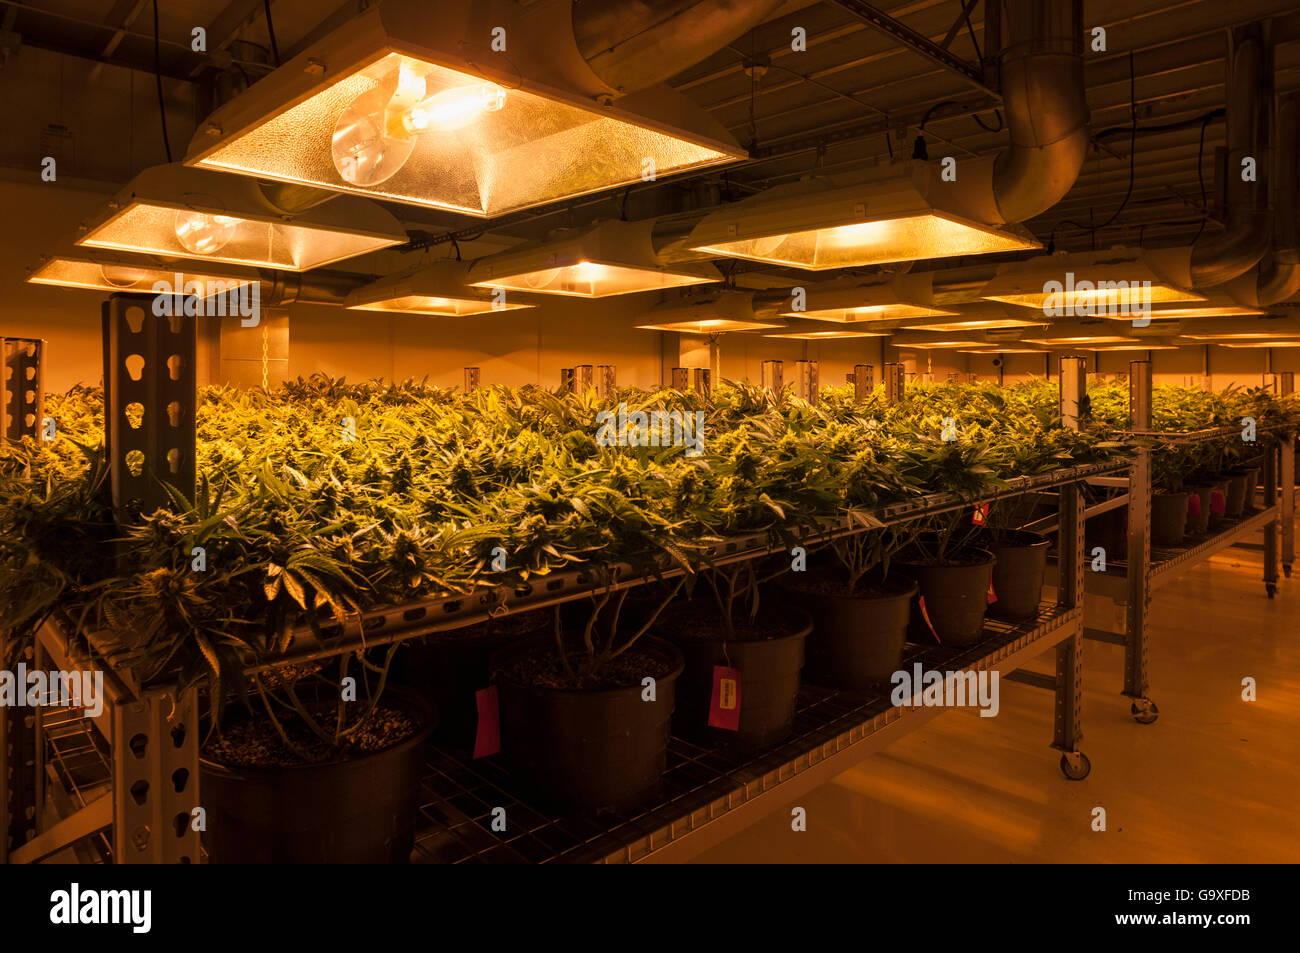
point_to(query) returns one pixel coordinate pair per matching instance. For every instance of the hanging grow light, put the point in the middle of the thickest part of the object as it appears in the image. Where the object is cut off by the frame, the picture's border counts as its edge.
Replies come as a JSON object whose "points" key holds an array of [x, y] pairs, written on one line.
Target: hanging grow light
{"points": [[612, 258], [828, 335], [176, 212], [710, 314], [438, 289], [1251, 344], [405, 105], [1083, 339], [1117, 283], [109, 271], [816, 226]]}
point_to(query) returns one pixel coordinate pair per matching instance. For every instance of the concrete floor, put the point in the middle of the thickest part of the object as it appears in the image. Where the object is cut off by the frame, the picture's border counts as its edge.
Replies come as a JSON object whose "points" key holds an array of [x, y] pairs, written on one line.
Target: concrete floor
{"points": [[1215, 779]]}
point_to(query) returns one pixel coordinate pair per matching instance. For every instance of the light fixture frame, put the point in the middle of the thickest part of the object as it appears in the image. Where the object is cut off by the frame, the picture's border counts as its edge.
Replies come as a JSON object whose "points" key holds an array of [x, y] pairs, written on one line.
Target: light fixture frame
{"points": [[441, 279], [1015, 281], [460, 39], [177, 188], [165, 269]]}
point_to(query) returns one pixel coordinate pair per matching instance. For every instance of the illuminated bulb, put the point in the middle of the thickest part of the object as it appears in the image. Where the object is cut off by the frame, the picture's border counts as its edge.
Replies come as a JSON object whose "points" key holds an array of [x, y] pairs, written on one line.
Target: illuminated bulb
{"points": [[122, 276], [454, 109], [204, 234]]}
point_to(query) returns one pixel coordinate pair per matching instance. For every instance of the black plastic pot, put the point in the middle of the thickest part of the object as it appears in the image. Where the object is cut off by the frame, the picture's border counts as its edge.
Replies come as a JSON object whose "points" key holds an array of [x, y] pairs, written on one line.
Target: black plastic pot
{"points": [[358, 811], [587, 750], [1198, 523], [956, 598], [1018, 573], [1168, 518], [451, 667], [769, 674], [1235, 503], [1252, 484], [857, 640]]}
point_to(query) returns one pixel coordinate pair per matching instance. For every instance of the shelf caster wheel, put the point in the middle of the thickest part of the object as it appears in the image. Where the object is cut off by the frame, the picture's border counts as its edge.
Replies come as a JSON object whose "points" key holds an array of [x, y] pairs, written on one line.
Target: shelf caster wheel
{"points": [[1271, 589], [1144, 711], [1075, 765]]}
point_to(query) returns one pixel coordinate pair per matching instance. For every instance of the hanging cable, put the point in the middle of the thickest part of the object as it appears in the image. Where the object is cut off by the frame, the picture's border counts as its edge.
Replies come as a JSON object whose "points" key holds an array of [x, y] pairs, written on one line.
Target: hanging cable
{"points": [[1200, 178], [157, 75], [270, 31], [1132, 147]]}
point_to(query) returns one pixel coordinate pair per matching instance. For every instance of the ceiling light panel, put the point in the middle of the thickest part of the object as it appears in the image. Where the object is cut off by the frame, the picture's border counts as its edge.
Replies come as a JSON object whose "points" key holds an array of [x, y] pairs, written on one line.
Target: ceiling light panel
{"points": [[399, 104], [436, 290], [175, 212], [815, 226]]}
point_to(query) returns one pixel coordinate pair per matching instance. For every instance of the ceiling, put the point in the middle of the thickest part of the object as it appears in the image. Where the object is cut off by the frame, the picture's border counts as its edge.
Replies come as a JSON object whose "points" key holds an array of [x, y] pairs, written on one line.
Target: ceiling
{"points": [[856, 96]]}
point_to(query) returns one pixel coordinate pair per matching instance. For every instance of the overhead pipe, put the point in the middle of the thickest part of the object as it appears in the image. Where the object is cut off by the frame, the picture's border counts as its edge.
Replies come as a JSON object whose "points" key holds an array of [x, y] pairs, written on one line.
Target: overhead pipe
{"points": [[1045, 103], [632, 44], [1277, 278], [1220, 257]]}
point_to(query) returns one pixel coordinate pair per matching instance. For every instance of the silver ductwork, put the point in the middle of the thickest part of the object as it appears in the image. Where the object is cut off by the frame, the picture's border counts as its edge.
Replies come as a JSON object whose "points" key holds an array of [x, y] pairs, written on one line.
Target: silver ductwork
{"points": [[632, 44], [1046, 108], [1277, 278]]}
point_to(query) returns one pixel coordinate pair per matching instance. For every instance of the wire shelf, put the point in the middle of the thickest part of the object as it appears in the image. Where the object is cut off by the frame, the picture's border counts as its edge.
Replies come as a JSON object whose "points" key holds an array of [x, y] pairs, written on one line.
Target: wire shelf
{"points": [[78, 769], [701, 784]]}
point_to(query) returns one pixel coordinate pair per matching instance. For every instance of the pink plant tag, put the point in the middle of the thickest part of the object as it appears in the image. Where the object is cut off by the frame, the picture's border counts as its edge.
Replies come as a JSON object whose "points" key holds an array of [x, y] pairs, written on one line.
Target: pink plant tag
{"points": [[1218, 504], [1194, 506], [981, 514], [930, 625], [993, 596], [488, 738], [724, 706]]}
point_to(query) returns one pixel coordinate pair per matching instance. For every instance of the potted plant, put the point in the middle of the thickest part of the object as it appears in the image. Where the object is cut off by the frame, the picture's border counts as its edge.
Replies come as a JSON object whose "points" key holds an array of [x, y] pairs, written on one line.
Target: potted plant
{"points": [[954, 576], [859, 610], [1169, 500], [584, 716], [767, 650]]}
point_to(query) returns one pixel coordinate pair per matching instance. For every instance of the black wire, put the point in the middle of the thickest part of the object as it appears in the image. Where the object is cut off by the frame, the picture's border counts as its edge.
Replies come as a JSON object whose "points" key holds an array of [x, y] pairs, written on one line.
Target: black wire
{"points": [[979, 56], [270, 31], [157, 75], [455, 247], [930, 112], [1001, 122], [1132, 148], [1200, 177]]}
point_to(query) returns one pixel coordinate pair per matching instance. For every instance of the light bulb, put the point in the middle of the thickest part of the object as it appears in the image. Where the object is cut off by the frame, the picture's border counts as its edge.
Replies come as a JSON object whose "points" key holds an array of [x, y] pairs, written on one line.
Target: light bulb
{"points": [[122, 276], [454, 109], [204, 234]]}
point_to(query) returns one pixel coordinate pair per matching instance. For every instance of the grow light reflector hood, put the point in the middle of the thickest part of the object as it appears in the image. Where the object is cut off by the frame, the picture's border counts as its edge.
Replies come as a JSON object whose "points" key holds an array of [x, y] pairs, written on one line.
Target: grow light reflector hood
{"points": [[827, 335], [817, 226], [1118, 283], [111, 271], [176, 212], [438, 289], [855, 301], [612, 258], [413, 105], [711, 314]]}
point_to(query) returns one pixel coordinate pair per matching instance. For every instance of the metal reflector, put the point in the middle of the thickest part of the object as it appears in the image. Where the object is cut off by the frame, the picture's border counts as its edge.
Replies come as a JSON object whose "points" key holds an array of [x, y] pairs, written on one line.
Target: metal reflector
{"points": [[110, 271], [816, 226], [438, 289], [612, 258], [1117, 283], [427, 109], [176, 212]]}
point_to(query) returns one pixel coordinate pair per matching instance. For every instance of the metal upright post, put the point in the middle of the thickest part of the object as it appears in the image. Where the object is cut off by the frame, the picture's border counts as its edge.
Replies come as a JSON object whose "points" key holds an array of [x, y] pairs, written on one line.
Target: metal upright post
{"points": [[806, 383], [584, 378], [22, 386], [862, 382], [19, 808], [472, 379], [681, 378], [1139, 551], [772, 378], [567, 379], [1068, 732], [895, 387], [1286, 475], [702, 381], [606, 380], [1272, 452]]}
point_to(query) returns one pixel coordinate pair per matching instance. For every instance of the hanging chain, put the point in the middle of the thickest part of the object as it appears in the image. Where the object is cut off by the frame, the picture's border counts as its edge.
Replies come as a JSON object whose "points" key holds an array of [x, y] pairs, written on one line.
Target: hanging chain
{"points": [[266, 364]]}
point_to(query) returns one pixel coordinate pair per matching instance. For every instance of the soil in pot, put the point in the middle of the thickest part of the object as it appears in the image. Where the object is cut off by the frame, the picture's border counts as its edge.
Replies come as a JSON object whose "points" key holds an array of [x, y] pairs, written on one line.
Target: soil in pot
{"points": [[266, 806], [1168, 518], [450, 667], [592, 745], [1235, 502], [955, 593], [1019, 572], [857, 637], [769, 656], [1198, 509]]}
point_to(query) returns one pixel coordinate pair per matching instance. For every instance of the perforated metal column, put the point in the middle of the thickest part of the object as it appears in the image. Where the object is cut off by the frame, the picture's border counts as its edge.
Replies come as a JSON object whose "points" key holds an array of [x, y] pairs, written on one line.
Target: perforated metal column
{"points": [[22, 393], [895, 385], [862, 382], [773, 378], [1136, 650], [18, 776], [807, 384], [1068, 723], [149, 402], [155, 780]]}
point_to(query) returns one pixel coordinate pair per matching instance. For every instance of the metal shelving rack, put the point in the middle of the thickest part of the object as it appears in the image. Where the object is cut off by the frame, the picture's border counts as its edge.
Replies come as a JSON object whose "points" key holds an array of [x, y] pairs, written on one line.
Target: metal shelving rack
{"points": [[1155, 568], [148, 735]]}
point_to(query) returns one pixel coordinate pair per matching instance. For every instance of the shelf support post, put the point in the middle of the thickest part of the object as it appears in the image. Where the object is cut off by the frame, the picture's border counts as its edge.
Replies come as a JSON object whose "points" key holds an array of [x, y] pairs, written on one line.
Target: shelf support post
{"points": [[1139, 538], [1068, 722]]}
